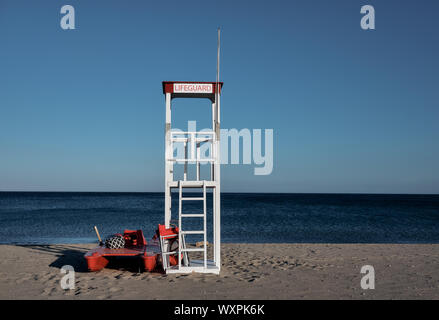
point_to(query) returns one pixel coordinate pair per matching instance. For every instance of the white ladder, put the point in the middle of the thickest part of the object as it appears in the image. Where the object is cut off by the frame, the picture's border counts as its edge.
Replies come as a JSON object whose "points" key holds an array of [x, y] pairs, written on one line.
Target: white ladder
{"points": [[181, 234]]}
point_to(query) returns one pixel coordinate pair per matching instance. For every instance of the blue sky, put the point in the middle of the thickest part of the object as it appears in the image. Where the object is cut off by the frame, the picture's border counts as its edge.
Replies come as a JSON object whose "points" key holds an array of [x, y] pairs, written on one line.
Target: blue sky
{"points": [[352, 110]]}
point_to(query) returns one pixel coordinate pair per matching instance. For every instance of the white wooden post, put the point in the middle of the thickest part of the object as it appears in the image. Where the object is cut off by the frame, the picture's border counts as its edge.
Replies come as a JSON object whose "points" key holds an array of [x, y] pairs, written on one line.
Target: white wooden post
{"points": [[185, 163], [168, 162], [217, 190]]}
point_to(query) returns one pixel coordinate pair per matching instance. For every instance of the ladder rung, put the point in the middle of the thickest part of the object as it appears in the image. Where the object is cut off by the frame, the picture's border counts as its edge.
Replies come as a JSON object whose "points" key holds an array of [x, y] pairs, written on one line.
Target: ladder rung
{"points": [[170, 252], [192, 232], [193, 250], [192, 215], [196, 198]]}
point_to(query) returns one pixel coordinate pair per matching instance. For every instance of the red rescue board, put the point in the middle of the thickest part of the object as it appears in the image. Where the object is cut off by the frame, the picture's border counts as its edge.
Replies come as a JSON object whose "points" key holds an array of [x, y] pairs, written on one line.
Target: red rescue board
{"points": [[136, 246]]}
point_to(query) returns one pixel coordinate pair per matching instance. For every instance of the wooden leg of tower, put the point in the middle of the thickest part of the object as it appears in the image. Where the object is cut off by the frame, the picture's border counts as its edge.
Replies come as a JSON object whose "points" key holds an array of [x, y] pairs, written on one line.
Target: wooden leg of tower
{"points": [[217, 227], [168, 164]]}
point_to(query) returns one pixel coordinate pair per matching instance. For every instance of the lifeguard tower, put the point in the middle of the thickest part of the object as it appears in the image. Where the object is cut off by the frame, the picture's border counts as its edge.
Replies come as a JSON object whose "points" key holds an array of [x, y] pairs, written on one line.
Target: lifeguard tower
{"points": [[199, 147], [192, 143]]}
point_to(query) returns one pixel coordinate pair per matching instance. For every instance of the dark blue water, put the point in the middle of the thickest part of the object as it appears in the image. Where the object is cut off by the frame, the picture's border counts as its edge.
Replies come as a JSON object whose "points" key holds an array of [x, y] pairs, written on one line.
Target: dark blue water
{"points": [[42, 218]]}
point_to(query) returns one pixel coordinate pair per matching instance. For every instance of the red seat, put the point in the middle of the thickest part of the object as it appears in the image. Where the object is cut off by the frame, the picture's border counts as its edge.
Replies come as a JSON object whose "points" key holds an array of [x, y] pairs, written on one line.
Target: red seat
{"points": [[134, 238], [163, 231]]}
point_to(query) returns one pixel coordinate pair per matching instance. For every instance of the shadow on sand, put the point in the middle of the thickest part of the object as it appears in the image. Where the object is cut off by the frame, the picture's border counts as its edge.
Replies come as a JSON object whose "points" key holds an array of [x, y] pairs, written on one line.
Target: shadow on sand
{"points": [[63, 255], [74, 256]]}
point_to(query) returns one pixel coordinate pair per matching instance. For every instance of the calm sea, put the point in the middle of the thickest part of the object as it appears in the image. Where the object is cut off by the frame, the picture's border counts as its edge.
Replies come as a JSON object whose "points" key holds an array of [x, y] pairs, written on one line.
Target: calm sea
{"points": [[50, 217]]}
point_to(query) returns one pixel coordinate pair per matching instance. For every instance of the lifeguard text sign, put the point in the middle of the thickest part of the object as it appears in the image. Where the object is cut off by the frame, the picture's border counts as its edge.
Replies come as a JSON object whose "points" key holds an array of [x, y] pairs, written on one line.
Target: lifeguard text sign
{"points": [[193, 88]]}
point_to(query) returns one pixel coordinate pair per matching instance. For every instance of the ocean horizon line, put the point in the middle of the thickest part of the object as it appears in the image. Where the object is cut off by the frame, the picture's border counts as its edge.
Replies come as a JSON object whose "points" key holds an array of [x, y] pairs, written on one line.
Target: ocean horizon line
{"points": [[228, 192]]}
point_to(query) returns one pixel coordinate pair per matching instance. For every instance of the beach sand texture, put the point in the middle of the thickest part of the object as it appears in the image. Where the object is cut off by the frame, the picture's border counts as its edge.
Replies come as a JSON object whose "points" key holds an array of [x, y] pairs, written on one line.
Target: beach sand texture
{"points": [[249, 271]]}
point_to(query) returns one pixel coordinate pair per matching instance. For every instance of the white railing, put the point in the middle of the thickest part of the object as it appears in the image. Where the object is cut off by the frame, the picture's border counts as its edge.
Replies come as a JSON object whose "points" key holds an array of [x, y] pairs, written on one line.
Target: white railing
{"points": [[194, 139]]}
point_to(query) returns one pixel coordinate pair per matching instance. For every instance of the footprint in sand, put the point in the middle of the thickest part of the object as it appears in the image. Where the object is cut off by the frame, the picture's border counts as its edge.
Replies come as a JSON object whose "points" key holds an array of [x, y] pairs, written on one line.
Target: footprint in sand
{"points": [[115, 289], [52, 277], [22, 278]]}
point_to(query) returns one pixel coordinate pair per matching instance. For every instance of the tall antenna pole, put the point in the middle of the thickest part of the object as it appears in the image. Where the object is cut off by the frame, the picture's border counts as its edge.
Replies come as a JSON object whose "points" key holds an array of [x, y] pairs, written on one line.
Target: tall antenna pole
{"points": [[218, 62], [218, 55], [217, 89]]}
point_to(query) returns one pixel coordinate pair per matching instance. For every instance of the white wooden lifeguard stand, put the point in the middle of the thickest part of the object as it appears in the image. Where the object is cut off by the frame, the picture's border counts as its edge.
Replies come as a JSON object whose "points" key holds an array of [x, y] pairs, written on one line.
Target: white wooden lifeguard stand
{"points": [[192, 142]]}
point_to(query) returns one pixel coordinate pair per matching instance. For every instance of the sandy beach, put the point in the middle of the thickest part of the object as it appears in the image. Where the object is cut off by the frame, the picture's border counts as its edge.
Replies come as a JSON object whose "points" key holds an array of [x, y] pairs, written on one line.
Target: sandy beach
{"points": [[249, 271]]}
